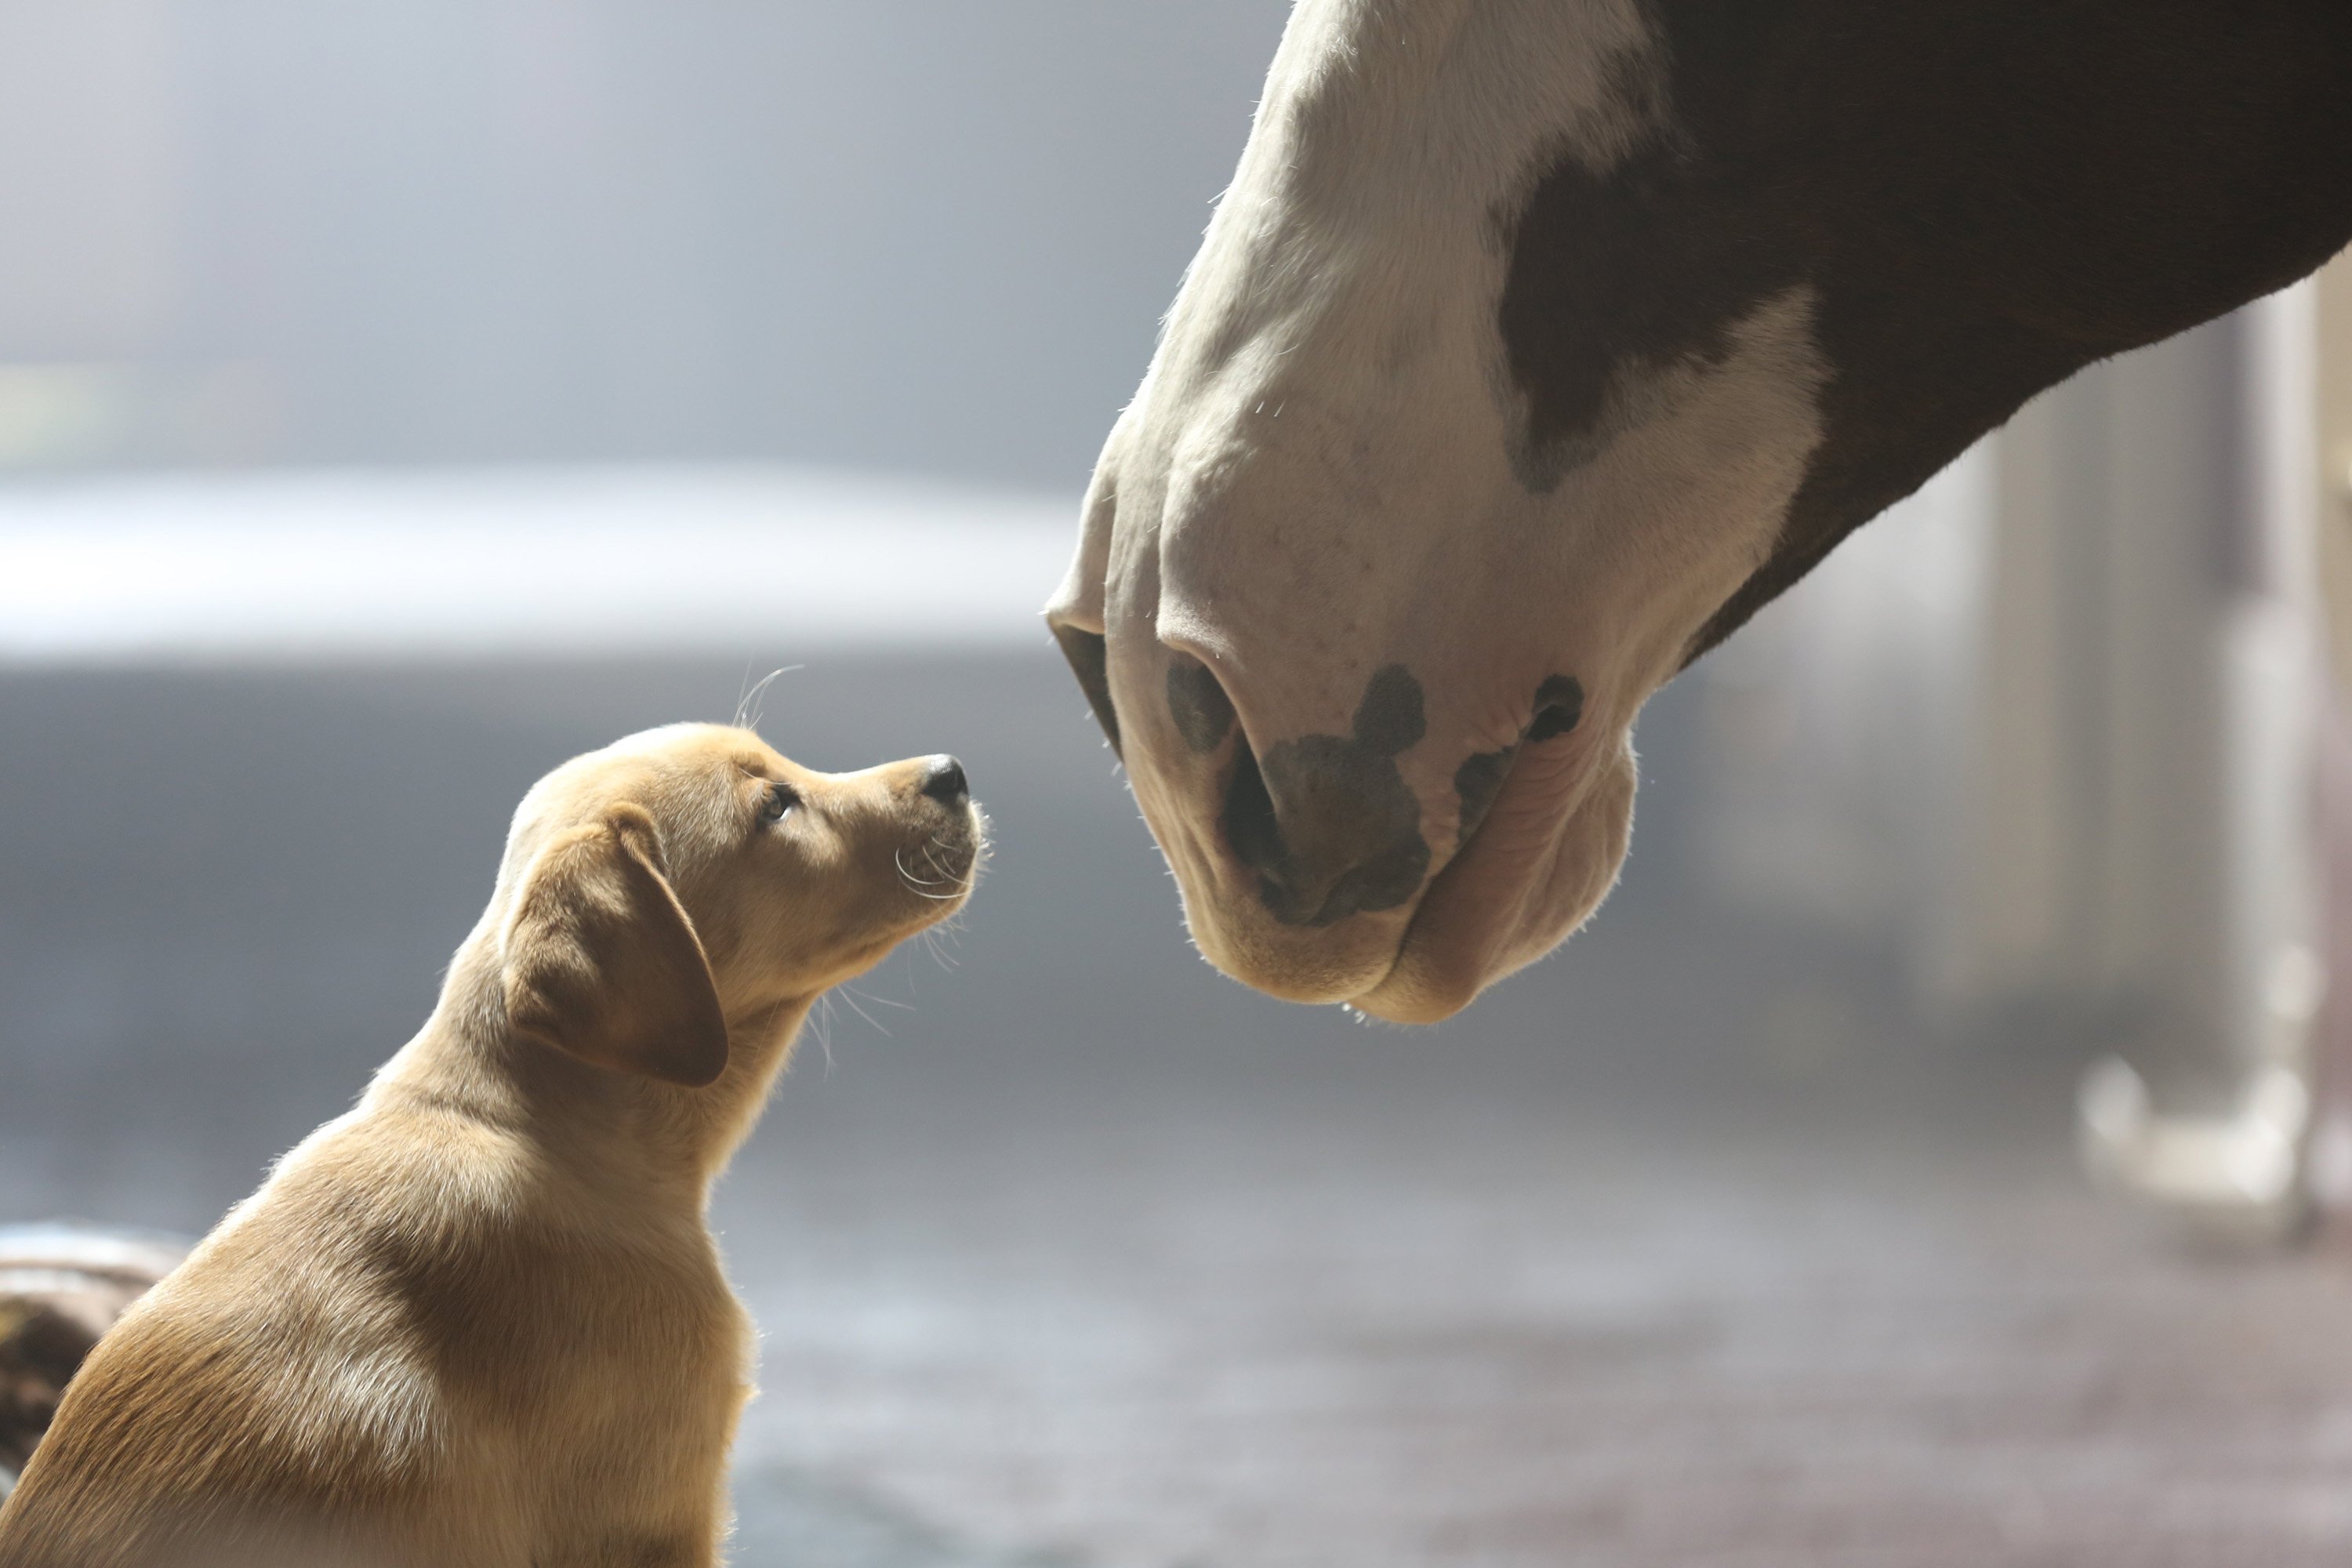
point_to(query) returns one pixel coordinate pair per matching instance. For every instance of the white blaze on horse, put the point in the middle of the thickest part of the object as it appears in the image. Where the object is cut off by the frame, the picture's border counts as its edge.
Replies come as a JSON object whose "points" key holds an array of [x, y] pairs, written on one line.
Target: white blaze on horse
{"points": [[1537, 343]]}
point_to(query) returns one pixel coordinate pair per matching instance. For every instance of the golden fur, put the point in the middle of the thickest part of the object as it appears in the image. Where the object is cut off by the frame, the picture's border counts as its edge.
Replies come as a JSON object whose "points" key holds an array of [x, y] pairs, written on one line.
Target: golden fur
{"points": [[479, 1319]]}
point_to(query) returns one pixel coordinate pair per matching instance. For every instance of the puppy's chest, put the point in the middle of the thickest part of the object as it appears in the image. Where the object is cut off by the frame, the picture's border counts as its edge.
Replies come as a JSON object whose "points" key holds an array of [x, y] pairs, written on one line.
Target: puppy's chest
{"points": [[613, 1424], [609, 1350]]}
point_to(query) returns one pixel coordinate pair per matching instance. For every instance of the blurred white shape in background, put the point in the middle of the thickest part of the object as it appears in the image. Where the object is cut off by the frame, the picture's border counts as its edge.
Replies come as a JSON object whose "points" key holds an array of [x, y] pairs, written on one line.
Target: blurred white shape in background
{"points": [[326, 564], [1838, 727], [2064, 728]]}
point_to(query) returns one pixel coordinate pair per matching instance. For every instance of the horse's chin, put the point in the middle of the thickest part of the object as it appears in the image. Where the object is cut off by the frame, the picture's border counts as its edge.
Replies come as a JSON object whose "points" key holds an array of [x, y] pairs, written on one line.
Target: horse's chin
{"points": [[1532, 873], [1315, 966]]}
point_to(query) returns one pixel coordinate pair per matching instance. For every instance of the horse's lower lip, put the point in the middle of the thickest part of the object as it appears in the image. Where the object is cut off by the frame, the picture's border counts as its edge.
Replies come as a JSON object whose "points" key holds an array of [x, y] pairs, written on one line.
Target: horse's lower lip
{"points": [[1403, 994], [1322, 965], [1450, 948], [1417, 987]]}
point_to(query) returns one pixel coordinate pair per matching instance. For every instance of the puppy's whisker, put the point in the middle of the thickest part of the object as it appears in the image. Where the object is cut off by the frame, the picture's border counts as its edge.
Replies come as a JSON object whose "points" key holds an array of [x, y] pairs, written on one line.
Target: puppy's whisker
{"points": [[917, 885], [970, 878], [824, 1028], [899, 858], [748, 706], [843, 992]]}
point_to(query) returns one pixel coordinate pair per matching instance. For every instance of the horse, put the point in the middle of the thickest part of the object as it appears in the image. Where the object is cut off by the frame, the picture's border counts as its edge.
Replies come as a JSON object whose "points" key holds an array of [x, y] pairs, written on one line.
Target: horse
{"points": [[1536, 343]]}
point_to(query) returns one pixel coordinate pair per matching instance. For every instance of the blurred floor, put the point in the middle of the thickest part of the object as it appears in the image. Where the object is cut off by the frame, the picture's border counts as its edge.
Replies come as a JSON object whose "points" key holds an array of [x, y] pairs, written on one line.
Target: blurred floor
{"points": [[1687, 1248]]}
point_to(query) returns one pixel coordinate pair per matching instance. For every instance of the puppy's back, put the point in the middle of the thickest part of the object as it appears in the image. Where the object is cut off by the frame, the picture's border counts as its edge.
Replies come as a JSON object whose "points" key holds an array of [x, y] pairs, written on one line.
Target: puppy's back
{"points": [[278, 1379], [366, 1360]]}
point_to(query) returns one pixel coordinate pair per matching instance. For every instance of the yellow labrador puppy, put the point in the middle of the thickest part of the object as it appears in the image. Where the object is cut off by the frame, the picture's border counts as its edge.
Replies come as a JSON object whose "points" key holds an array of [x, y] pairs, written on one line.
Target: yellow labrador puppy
{"points": [[480, 1318]]}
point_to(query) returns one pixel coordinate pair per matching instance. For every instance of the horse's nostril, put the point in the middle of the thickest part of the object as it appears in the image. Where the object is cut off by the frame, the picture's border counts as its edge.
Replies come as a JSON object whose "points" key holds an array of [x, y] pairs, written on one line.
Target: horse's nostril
{"points": [[1252, 831], [945, 782], [1345, 838], [1198, 703], [1327, 821], [1089, 658], [1560, 706]]}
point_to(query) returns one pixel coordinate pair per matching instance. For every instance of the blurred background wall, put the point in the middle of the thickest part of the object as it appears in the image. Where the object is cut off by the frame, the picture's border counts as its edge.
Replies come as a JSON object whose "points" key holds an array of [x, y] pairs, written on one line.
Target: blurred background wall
{"points": [[904, 234]]}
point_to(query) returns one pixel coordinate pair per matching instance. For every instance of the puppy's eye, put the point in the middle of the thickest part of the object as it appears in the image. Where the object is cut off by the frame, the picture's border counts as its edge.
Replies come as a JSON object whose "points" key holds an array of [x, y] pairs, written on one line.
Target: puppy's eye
{"points": [[781, 798]]}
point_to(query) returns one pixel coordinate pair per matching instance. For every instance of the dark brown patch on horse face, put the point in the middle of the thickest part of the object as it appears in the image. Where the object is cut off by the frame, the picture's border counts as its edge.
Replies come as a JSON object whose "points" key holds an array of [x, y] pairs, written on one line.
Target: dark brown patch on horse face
{"points": [[1197, 702], [1089, 658], [1618, 282], [1983, 197], [1389, 719], [1347, 838]]}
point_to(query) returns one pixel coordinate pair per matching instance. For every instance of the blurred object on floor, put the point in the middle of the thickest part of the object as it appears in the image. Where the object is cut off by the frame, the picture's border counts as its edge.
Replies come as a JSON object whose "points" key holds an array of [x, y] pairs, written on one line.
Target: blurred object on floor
{"points": [[61, 1286]]}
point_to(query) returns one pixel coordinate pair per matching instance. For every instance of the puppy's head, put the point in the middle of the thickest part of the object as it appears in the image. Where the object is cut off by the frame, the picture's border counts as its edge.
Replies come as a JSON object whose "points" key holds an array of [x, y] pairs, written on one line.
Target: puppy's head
{"points": [[680, 877]]}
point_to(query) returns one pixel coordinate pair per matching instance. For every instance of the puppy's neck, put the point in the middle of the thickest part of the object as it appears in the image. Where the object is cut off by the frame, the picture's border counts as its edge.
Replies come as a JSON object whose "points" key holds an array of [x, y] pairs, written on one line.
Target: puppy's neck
{"points": [[609, 1128]]}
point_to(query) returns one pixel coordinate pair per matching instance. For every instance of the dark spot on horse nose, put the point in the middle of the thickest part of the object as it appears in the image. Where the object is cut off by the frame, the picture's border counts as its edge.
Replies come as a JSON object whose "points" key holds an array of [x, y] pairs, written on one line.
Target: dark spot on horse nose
{"points": [[945, 782], [1327, 821], [1251, 830], [1558, 709], [1389, 719], [1477, 781], [1559, 705], [1089, 658], [1198, 703]]}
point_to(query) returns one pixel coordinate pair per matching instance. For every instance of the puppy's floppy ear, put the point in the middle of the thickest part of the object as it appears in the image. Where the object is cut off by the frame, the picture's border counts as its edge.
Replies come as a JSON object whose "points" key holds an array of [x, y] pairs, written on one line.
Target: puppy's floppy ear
{"points": [[601, 961]]}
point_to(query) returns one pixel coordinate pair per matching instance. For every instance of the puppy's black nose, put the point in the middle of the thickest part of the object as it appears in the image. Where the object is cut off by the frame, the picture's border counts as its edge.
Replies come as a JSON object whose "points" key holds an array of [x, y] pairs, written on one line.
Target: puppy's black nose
{"points": [[945, 782]]}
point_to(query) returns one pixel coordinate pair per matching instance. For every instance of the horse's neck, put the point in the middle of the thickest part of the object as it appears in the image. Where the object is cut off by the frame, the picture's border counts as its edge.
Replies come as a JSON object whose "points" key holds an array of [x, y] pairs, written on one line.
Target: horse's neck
{"points": [[1986, 197]]}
